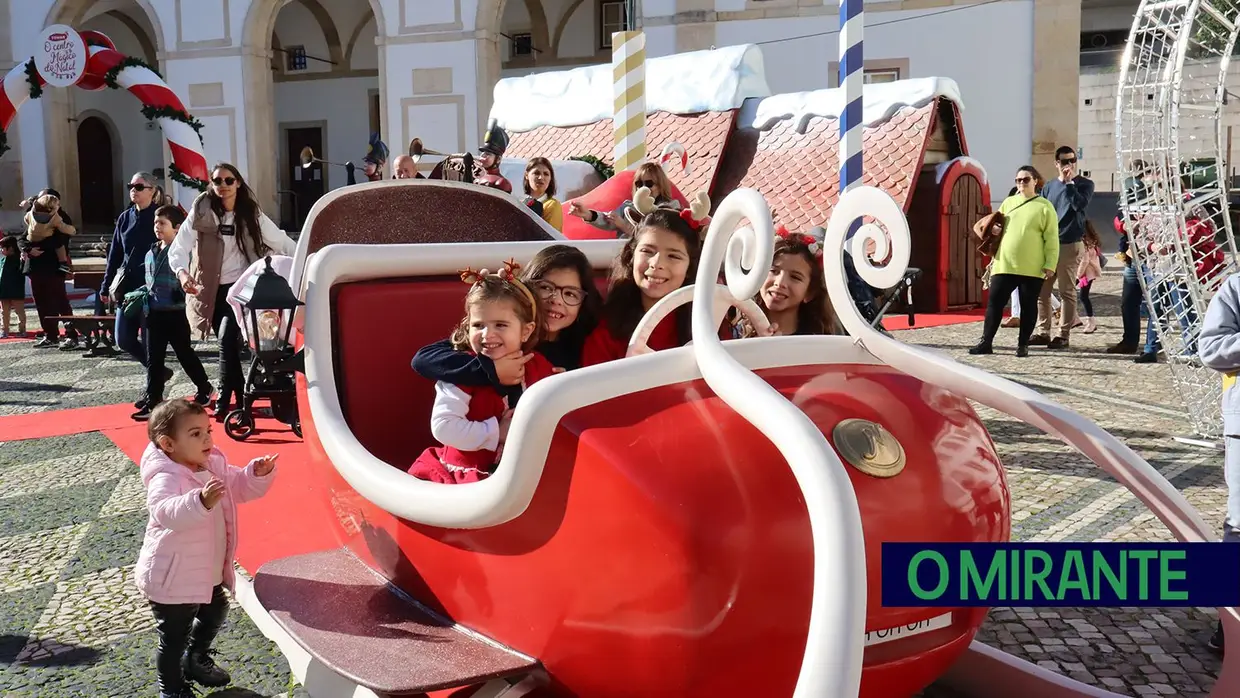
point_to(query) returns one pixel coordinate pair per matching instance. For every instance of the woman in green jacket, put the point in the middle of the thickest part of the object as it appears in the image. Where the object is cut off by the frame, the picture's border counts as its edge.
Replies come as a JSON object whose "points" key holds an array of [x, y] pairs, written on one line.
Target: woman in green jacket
{"points": [[1027, 255]]}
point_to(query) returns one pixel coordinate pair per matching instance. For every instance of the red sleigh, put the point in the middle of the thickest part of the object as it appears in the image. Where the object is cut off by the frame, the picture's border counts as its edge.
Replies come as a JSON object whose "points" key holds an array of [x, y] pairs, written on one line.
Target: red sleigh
{"points": [[699, 521]]}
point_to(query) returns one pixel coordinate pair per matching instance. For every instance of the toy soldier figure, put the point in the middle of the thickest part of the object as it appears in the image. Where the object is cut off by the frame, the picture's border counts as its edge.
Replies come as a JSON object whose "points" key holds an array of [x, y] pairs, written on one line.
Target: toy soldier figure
{"points": [[494, 143], [376, 158]]}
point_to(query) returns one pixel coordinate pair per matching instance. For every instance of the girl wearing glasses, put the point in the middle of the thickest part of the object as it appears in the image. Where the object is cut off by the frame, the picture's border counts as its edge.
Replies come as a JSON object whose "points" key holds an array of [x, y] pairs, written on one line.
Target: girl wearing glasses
{"points": [[649, 175], [568, 303], [224, 233], [133, 236], [1027, 254]]}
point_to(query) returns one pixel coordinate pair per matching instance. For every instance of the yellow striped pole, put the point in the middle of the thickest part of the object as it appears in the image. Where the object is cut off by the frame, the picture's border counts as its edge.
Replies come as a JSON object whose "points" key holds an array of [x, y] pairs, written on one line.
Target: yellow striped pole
{"points": [[628, 61]]}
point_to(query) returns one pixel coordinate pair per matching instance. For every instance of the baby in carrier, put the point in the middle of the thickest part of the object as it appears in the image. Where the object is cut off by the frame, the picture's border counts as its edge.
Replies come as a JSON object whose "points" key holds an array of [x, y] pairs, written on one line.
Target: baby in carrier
{"points": [[47, 229]]}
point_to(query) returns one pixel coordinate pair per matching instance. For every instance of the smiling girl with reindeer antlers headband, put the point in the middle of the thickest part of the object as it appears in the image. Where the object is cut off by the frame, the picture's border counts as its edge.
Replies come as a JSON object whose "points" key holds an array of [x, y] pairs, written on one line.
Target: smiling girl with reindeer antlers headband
{"points": [[651, 175], [501, 317], [659, 258]]}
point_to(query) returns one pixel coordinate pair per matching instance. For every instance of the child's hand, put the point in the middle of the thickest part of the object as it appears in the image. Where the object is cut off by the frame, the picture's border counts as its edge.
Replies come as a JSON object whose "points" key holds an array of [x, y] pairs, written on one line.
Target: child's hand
{"points": [[510, 369], [505, 421], [772, 330], [212, 493], [576, 208], [263, 466], [188, 285]]}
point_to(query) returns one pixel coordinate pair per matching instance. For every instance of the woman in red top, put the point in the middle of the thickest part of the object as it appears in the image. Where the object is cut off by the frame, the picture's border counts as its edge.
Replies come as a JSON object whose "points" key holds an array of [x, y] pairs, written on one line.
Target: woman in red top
{"points": [[661, 257], [501, 317]]}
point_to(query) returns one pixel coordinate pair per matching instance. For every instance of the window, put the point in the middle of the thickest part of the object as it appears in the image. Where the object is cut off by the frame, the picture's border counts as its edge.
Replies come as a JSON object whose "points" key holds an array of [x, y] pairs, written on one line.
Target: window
{"points": [[296, 58], [522, 44], [882, 75], [612, 17]]}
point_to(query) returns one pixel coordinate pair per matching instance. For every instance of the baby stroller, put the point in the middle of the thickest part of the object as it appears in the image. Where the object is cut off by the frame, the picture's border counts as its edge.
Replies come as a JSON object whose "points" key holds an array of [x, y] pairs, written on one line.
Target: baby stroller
{"points": [[264, 305]]}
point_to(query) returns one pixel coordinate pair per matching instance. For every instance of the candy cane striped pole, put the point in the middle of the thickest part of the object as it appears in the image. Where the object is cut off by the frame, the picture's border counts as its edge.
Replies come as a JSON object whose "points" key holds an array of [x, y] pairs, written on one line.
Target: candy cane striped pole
{"points": [[151, 90], [628, 61], [852, 79]]}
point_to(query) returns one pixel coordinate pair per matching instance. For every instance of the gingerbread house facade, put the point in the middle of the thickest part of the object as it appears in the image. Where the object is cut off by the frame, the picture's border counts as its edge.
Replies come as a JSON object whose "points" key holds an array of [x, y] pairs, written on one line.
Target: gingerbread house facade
{"points": [[786, 147]]}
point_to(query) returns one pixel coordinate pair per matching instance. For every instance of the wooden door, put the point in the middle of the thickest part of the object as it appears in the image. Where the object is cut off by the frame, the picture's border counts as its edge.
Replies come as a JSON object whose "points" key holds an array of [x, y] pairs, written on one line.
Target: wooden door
{"points": [[100, 204], [308, 185], [964, 282]]}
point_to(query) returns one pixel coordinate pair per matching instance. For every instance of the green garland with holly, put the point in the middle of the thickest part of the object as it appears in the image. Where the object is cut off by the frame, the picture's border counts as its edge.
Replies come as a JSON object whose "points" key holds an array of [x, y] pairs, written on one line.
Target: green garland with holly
{"points": [[603, 169], [150, 112]]}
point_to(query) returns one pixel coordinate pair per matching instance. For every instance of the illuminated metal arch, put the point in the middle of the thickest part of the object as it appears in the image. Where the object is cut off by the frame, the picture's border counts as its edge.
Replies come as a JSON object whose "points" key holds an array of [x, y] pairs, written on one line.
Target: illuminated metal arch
{"points": [[1168, 116]]}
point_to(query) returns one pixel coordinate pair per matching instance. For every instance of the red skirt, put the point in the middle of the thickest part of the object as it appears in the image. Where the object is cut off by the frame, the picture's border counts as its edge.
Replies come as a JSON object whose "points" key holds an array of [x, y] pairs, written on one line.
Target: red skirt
{"points": [[431, 466]]}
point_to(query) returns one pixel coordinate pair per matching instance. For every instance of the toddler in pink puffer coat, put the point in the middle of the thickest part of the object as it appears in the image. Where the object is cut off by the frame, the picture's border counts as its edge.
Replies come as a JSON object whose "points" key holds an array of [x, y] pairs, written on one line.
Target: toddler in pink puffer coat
{"points": [[186, 561]]}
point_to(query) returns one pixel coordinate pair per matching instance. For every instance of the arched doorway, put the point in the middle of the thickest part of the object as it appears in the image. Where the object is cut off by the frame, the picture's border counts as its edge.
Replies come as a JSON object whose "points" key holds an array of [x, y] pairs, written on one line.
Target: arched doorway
{"points": [[264, 172], [96, 173]]}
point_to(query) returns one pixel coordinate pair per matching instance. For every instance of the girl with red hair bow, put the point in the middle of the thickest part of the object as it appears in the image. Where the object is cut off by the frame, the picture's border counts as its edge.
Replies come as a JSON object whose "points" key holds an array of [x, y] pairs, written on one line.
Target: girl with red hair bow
{"points": [[501, 317]]}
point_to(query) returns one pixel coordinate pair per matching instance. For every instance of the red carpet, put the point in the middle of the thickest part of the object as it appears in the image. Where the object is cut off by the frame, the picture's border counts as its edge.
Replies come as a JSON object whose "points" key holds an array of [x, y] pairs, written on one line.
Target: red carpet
{"points": [[923, 320], [41, 425], [17, 338]]}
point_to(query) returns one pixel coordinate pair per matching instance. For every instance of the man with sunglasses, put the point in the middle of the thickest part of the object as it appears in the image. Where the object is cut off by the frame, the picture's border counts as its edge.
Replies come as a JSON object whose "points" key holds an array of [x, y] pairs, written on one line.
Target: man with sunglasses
{"points": [[1070, 194]]}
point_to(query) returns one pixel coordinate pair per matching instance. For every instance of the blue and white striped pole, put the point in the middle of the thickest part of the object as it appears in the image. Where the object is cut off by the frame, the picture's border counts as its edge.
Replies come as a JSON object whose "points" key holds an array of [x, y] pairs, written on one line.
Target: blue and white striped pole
{"points": [[852, 79]]}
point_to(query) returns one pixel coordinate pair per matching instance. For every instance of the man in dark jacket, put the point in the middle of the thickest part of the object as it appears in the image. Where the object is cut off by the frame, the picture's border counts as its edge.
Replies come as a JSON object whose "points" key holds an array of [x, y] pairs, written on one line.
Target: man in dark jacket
{"points": [[47, 285], [1070, 193]]}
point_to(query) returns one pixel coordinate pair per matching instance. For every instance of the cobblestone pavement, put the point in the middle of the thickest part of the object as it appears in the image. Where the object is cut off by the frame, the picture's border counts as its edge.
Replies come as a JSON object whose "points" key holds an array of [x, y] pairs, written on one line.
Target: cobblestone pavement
{"points": [[71, 522]]}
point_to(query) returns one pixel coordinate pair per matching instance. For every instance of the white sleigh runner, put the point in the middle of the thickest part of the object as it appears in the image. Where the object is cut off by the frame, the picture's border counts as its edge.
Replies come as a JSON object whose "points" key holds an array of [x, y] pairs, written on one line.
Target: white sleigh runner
{"points": [[833, 656]]}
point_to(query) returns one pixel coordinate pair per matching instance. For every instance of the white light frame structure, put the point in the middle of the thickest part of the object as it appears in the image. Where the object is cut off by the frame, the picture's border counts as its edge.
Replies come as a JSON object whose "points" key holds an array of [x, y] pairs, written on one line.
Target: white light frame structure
{"points": [[1168, 115]]}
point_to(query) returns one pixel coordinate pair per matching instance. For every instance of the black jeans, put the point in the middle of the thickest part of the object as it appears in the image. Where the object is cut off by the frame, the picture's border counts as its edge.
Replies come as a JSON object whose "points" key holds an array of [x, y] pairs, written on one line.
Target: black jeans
{"points": [[232, 376], [1082, 297], [1001, 287], [166, 328], [50, 300], [185, 626]]}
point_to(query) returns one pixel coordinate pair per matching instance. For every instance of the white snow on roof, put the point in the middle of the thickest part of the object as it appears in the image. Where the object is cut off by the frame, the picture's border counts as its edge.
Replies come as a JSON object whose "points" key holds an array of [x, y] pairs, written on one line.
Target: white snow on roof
{"points": [[880, 102], [941, 169], [687, 83]]}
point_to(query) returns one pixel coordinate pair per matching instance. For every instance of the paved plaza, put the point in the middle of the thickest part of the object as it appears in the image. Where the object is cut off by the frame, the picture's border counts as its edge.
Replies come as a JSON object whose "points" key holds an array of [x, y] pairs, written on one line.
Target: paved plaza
{"points": [[72, 516]]}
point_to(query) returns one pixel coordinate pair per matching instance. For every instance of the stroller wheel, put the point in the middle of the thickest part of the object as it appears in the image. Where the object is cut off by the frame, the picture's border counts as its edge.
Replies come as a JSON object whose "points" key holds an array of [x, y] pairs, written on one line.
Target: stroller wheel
{"points": [[239, 425], [297, 429]]}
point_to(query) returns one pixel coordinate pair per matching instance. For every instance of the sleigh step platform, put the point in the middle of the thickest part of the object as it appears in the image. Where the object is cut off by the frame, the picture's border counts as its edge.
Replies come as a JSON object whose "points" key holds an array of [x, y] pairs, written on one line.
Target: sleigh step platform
{"points": [[351, 620]]}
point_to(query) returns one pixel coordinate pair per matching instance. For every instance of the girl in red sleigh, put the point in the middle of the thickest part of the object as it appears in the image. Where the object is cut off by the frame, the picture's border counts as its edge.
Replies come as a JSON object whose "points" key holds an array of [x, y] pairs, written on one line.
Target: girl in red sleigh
{"points": [[501, 317]]}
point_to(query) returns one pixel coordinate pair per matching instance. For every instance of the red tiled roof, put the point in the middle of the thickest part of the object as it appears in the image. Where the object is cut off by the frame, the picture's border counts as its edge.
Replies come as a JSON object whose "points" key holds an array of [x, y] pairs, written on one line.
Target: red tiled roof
{"points": [[703, 136], [798, 173]]}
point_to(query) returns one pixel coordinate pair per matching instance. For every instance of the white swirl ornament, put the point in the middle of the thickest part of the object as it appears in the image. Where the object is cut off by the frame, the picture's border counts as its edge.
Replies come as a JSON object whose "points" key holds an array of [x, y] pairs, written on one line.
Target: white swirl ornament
{"points": [[938, 369], [831, 665]]}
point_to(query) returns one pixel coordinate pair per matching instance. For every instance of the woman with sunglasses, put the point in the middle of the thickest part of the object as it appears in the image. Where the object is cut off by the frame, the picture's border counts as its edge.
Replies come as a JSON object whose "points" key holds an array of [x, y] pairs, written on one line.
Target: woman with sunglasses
{"points": [[1027, 255], [649, 175], [569, 303], [224, 233], [131, 239]]}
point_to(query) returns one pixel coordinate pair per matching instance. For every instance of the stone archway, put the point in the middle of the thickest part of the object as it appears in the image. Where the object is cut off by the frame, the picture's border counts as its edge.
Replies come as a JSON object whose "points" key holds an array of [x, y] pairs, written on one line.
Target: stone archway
{"points": [[259, 90], [59, 113]]}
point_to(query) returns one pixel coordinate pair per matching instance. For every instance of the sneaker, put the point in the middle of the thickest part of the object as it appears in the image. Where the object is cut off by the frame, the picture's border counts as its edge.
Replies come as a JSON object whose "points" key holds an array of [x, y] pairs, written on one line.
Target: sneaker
{"points": [[65, 269], [1122, 348], [981, 349], [143, 414], [4, 334], [141, 403], [1058, 343], [1091, 326], [1215, 643], [1039, 340], [186, 692], [45, 343], [69, 344], [203, 396], [1022, 352], [201, 668], [1148, 357]]}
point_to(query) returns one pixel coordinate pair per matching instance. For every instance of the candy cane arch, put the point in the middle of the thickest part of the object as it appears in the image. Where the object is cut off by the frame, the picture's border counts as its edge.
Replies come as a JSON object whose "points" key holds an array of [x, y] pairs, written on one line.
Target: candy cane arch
{"points": [[142, 82]]}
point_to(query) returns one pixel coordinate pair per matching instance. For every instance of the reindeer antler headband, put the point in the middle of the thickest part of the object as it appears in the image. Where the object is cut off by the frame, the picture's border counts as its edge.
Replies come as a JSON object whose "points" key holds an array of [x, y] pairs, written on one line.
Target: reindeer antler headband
{"points": [[813, 244], [507, 273], [697, 215]]}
